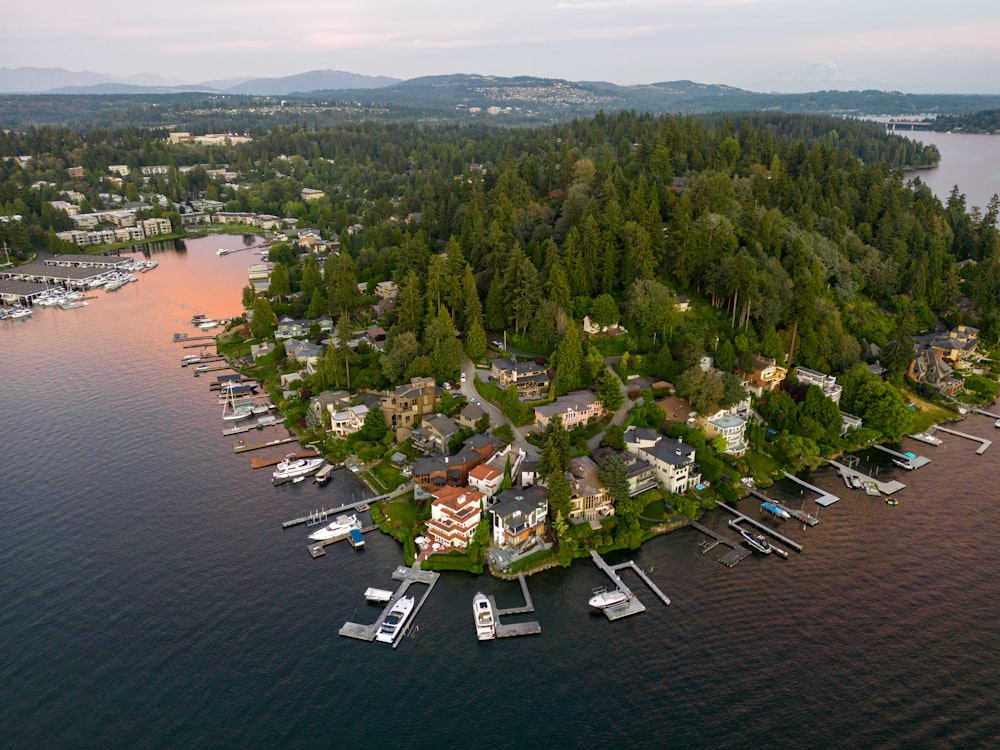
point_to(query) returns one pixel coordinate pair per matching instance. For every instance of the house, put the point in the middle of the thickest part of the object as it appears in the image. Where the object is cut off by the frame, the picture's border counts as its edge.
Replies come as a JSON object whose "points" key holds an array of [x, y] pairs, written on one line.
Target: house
{"points": [[575, 408], [729, 426], [765, 375], [519, 517], [347, 421], [929, 367], [827, 382], [487, 479], [641, 475], [677, 409], [262, 349], [849, 422], [673, 460], [303, 351], [590, 500], [434, 434], [958, 345], [290, 377], [432, 473], [470, 416], [408, 403], [682, 303], [323, 404], [455, 514], [290, 328], [532, 380], [308, 194], [595, 329]]}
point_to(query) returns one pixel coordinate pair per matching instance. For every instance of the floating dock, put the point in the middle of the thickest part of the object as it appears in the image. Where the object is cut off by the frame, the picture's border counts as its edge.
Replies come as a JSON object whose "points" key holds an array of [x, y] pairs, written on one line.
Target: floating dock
{"points": [[982, 448], [407, 576], [377, 596], [318, 548], [317, 517], [927, 438], [633, 606], [512, 630]]}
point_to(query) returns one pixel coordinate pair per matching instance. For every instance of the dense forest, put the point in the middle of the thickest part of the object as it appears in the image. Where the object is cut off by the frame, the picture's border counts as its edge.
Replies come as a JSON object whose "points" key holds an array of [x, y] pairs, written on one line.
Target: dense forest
{"points": [[796, 236], [985, 121]]}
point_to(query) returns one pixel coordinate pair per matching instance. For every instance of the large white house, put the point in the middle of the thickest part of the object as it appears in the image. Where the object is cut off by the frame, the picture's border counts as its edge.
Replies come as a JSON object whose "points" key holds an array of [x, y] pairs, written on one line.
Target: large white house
{"points": [[672, 459], [455, 513]]}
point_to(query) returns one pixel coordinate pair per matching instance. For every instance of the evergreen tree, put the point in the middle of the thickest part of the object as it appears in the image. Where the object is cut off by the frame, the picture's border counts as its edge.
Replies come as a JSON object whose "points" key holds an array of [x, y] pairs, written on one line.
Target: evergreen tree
{"points": [[568, 360], [496, 308], [280, 286], [475, 342], [264, 321]]}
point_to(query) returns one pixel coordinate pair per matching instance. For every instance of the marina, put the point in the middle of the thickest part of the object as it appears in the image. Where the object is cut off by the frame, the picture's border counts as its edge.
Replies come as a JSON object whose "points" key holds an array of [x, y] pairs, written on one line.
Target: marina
{"points": [[407, 577]]}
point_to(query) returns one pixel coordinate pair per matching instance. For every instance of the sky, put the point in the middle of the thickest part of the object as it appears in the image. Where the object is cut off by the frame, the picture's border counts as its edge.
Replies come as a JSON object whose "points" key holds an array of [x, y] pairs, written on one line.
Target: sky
{"points": [[916, 46]]}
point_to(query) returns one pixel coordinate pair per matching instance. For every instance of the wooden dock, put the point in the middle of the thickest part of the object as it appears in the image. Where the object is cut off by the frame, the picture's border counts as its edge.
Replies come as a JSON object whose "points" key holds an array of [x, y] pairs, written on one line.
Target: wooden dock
{"points": [[407, 576], [178, 337], [730, 559], [982, 448], [511, 630], [763, 527], [260, 463], [323, 516]]}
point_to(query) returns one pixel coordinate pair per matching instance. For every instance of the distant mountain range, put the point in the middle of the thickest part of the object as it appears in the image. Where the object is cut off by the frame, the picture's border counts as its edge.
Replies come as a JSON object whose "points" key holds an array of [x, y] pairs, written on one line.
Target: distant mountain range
{"points": [[61, 81], [326, 96]]}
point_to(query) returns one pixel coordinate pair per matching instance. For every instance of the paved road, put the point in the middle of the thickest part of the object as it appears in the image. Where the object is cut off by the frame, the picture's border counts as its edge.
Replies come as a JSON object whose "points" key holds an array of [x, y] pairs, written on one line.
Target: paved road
{"points": [[468, 389]]}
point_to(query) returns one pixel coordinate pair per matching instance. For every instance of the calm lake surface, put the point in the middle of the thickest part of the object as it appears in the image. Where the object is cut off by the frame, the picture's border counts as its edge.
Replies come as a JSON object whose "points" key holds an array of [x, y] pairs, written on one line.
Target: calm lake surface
{"points": [[971, 161], [150, 598]]}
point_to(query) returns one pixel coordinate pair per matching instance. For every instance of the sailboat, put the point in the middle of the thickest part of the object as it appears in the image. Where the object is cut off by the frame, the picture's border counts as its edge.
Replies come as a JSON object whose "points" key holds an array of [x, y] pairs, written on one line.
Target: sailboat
{"points": [[233, 413]]}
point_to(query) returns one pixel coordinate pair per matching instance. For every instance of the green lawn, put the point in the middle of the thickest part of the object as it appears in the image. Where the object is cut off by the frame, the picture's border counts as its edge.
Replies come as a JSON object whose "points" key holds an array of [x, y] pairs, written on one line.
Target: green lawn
{"points": [[402, 513]]}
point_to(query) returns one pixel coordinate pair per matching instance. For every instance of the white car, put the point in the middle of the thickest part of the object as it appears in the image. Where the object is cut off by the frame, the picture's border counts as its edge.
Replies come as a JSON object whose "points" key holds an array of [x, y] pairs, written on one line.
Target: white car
{"points": [[463, 377]]}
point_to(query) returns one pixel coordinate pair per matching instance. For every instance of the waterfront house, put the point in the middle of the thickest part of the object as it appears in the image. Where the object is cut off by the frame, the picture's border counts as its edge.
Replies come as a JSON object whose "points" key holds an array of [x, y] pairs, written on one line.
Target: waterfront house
{"points": [[344, 422], [731, 427], [641, 475], [455, 514], [487, 479], [590, 500], [431, 473], [519, 517], [434, 434], [673, 460]]}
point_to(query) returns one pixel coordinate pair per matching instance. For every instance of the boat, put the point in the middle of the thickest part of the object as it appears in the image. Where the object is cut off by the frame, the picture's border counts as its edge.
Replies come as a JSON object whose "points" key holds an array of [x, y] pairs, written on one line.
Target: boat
{"points": [[772, 508], [71, 304], [190, 359], [233, 413], [292, 467], [362, 508], [890, 501], [483, 614], [903, 463], [202, 368], [757, 541], [997, 423], [926, 437], [603, 599], [207, 324], [340, 527], [19, 312], [856, 482], [356, 538], [393, 623]]}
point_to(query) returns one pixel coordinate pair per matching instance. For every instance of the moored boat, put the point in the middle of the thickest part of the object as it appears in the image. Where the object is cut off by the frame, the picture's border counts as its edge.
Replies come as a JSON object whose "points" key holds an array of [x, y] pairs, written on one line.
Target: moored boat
{"points": [[604, 599], [757, 541], [292, 467], [340, 527], [393, 623], [483, 614]]}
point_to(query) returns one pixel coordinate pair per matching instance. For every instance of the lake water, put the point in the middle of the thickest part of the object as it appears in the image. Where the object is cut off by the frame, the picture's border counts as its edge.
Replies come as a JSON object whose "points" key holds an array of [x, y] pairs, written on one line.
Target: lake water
{"points": [[969, 160], [150, 598]]}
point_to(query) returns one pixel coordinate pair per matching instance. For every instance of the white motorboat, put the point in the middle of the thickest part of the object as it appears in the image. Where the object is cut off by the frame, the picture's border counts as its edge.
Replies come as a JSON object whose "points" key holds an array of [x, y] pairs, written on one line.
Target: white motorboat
{"points": [[341, 527], [757, 541], [393, 623], [483, 614], [19, 312], [292, 467], [207, 324], [604, 599]]}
